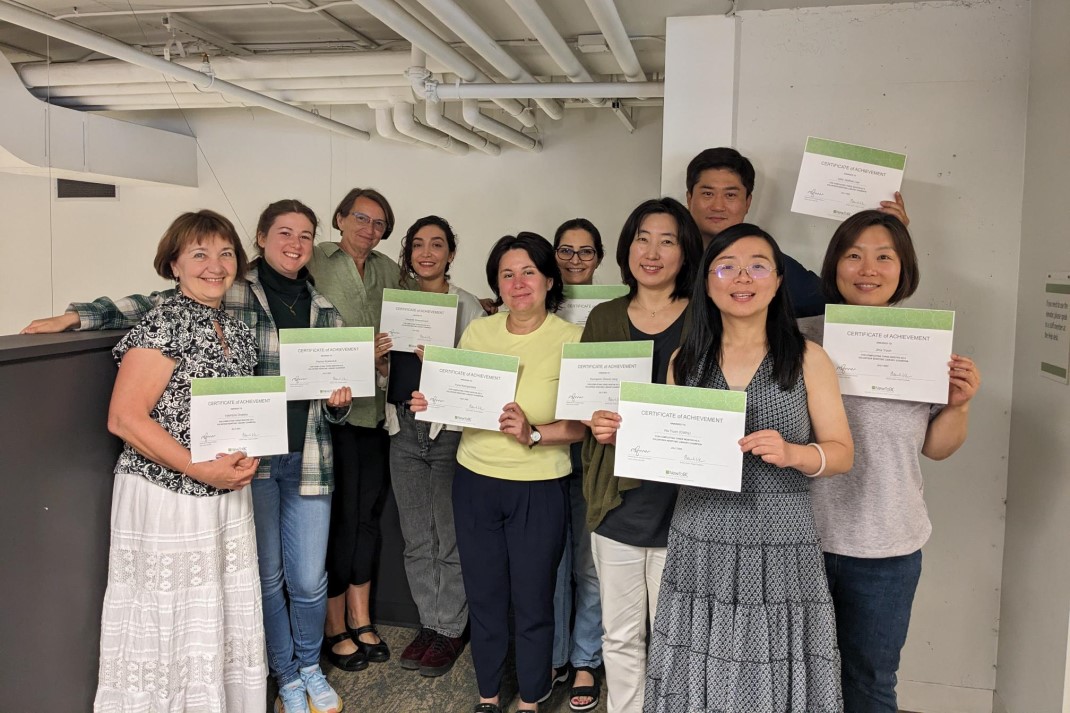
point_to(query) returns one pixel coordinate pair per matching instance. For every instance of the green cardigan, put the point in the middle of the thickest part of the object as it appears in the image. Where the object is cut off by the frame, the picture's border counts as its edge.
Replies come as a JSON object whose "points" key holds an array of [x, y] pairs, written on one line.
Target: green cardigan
{"points": [[608, 322]]}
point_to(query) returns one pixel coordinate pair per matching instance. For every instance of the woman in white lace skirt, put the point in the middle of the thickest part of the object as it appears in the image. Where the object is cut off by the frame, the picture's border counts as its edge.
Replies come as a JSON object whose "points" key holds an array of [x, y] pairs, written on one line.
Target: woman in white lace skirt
{"points": [[182, 628]]}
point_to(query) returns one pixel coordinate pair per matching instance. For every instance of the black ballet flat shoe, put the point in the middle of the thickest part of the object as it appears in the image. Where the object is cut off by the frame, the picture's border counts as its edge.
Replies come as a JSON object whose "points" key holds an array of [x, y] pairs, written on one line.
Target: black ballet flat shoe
{"points": [[376, 653], [356, 661]]}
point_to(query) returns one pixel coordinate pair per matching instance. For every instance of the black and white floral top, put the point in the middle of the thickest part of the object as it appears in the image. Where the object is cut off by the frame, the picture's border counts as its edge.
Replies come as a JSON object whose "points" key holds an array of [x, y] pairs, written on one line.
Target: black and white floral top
{"points": [[183, 329]]}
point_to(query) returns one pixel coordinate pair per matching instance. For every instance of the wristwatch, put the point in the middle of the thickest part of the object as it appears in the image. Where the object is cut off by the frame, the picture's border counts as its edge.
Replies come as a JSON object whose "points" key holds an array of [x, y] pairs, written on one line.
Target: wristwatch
{"points": [[536, 437]]}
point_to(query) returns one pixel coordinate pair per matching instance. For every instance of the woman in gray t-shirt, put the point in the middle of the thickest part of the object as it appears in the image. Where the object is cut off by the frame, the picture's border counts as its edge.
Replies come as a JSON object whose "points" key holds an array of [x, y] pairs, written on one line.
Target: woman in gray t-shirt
{"points": [[872, 520]]}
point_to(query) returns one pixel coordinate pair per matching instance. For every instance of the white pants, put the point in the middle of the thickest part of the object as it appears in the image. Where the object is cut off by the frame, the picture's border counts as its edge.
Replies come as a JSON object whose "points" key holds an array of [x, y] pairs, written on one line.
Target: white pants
{"points": [[628, 579]]}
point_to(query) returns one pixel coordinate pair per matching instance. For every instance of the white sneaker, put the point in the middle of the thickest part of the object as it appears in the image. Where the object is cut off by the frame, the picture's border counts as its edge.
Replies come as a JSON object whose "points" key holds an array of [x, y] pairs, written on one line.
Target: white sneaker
{"points": [[292, 698], [321, 697]]}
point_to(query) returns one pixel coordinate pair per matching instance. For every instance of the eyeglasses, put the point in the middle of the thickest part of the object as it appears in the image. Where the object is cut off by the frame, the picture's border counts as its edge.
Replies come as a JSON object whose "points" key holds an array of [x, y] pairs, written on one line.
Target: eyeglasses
{"points": [[757, 271], [585, 254], [379, 226]]}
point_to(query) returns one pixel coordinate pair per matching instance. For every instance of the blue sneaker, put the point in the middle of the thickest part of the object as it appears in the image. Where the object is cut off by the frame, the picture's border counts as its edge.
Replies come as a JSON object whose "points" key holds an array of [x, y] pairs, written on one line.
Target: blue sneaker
{"points": [[291, 698], [321, 697]]}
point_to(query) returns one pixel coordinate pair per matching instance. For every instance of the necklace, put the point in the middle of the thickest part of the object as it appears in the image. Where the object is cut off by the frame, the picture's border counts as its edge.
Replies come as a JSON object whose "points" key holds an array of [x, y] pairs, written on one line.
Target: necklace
{"points": [[653, 312], [291, 305]]}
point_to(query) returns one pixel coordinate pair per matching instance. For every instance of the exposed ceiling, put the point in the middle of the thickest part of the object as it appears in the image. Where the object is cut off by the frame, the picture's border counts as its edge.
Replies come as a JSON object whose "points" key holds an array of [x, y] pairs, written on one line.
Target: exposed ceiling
{"points": [[311, 52]]}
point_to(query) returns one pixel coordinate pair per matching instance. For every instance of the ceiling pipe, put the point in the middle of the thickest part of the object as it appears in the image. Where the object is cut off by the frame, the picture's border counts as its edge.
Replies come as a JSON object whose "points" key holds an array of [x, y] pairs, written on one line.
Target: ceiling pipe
{"points": [[436, 118], [98, 43], [418, 74], [472, 114], [232, 69], [384, 125], [552, 41], [397, 19], [607, 90], [176, 87], [405, 122], [167, 100], [461, 24], [608, 19]]}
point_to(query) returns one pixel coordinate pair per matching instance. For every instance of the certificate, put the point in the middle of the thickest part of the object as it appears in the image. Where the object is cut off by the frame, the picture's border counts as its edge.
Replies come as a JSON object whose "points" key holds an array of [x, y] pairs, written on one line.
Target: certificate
{"points": [[681, 434], [237, 413], [591, 373], [467, 388], [317, 361], [890, 352], [581, 299], [837, 180], [412, 318]]}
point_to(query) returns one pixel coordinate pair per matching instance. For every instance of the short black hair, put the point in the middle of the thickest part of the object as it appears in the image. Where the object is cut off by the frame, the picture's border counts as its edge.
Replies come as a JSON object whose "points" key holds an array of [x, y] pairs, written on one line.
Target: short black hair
{"points": [[581, 224], [687, 234], [725, 158], [541, 253], [846, 235], [371, 194]]}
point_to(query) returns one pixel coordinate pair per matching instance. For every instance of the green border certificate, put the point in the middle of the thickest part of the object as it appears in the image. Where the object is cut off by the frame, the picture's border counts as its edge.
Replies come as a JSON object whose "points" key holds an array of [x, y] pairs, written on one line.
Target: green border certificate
{"points": [[237, 413], [836, 180], [412, 318], [890, 352], [467, 388], [591, 373], [317, 361], [1055, 345], [681, 434], [581, 299]]}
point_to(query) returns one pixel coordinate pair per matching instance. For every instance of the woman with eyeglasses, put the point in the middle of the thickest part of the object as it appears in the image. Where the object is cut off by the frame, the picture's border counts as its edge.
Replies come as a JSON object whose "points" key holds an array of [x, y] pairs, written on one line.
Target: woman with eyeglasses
{"points": [[658, 253], [873, 522], [579, 251], [423, 457], [353, 275], [745, 622]]}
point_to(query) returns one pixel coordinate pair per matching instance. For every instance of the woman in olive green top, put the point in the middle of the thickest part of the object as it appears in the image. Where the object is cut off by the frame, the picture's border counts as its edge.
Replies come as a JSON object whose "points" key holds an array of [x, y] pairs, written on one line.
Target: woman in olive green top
{"points": [[352, 276]]}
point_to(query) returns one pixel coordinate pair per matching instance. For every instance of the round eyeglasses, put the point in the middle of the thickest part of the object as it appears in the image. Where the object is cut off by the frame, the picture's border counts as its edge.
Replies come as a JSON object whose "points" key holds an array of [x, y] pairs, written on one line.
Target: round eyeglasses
{"points": [[585, 254], [757, 271], [379, 226]]}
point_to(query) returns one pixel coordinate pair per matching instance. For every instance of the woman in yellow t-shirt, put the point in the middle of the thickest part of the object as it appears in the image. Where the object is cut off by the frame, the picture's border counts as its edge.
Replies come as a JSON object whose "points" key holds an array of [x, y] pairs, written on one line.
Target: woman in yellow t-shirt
{"points": [[509, 496]]}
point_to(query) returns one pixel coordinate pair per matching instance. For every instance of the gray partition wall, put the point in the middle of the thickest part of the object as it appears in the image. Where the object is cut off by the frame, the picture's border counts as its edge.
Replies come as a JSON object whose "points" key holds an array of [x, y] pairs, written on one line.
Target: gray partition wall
{"points": [[57, 458]]}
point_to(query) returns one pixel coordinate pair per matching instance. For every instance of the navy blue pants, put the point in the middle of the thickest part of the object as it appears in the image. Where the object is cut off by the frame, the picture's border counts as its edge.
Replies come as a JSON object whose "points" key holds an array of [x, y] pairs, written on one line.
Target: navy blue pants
{"points": [[510, 535], [873, 599]]}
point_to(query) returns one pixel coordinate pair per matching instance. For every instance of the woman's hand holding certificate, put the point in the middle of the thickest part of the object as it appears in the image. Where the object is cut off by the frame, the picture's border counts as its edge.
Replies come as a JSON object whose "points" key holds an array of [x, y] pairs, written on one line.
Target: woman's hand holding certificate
{"points": [[466, 388]]}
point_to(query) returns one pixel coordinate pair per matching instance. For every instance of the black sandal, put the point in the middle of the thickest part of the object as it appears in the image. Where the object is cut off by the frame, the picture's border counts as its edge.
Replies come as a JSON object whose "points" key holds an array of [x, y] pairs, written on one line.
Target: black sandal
{"points": [[376, 653], [487, 708], [594, 692], [356, 661]]}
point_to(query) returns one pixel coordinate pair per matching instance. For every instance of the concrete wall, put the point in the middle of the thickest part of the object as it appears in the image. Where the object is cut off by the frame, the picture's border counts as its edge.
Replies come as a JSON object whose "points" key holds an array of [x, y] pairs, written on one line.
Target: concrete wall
{"points": [[1032, 674], [944, 83]]}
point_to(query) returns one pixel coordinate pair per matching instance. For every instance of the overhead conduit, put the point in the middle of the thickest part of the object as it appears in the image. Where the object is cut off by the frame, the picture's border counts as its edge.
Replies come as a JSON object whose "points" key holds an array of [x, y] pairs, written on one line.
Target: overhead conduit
{"points": [[607, 17], [98, 43], [461, 24], [401, 22]]}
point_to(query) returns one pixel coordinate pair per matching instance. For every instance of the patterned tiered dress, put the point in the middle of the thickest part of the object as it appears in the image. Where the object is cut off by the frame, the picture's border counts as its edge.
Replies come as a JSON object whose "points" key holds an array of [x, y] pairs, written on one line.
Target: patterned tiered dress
{"points": [[745, 623]]}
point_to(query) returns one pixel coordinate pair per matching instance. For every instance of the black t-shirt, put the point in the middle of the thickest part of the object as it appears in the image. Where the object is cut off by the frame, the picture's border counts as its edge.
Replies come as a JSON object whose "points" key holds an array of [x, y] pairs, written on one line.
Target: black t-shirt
{"points": [[643, 518]]}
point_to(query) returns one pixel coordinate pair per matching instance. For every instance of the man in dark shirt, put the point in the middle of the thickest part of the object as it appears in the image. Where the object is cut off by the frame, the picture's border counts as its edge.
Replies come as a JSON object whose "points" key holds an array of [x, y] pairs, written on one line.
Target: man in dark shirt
{"points": [[720, 184]]}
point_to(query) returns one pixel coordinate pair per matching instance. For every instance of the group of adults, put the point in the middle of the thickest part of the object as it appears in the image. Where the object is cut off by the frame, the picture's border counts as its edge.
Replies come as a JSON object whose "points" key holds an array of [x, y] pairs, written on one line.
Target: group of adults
{"points": [[791, 595]]}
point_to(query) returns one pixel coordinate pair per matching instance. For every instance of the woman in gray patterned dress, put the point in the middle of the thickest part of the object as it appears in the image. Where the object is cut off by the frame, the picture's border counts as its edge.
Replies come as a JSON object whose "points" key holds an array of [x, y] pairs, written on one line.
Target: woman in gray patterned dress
{"points": [[744, 620]]}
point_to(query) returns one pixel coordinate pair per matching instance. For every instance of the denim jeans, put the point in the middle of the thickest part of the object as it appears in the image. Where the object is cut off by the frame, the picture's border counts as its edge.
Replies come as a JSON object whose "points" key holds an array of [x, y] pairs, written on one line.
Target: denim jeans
{"points": [[422, 471], [291, 543], [873, 598], [578, 642]]}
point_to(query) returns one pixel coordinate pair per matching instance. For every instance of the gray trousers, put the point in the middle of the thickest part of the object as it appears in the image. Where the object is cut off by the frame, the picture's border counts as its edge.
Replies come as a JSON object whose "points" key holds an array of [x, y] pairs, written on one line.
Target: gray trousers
{"points": [[422, 473]]}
